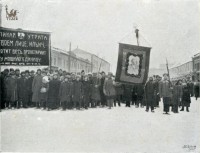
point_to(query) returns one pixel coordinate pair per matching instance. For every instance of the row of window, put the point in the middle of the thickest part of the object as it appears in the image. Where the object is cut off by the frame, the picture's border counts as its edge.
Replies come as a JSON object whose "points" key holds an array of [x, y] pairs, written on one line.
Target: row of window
{"points": [[74, 65]]}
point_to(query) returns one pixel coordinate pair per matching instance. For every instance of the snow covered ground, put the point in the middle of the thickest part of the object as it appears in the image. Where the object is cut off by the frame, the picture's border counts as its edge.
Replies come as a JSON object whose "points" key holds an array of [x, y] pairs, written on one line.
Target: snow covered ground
{"points": [[120, 129]]}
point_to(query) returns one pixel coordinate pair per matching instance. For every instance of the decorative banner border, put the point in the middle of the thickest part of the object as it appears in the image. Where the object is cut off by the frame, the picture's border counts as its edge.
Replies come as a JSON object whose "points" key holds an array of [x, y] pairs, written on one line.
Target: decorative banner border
{"points": [[133, 64]]}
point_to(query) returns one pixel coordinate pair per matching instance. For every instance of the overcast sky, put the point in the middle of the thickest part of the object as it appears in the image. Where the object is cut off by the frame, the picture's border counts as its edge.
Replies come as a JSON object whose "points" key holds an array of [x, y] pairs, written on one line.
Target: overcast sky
{"points": [[170, 27]]}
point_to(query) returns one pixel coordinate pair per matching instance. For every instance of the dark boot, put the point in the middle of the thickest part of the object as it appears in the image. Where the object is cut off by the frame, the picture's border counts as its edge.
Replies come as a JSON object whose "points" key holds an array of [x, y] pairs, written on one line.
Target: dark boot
{"points": [[182, 109], [187, 109]]}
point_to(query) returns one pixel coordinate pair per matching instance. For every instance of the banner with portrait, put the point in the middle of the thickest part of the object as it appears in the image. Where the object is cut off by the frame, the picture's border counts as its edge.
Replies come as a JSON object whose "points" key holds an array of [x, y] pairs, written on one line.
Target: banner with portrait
{"points": [[133, 64]]}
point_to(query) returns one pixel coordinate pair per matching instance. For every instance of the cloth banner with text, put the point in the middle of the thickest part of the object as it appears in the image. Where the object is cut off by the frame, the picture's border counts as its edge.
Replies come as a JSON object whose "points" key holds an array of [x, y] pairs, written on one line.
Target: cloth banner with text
{"points": [[133, 64], [24, 48]]}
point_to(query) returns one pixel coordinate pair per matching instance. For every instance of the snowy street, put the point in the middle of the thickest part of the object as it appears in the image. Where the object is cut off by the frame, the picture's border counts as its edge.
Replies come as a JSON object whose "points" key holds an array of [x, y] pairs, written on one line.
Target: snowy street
{"points": [[120, 129]]}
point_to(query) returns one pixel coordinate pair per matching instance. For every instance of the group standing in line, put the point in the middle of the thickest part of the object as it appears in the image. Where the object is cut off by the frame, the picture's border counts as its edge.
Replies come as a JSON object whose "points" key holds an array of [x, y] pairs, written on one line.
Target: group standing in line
{"points": [[50, 90]]}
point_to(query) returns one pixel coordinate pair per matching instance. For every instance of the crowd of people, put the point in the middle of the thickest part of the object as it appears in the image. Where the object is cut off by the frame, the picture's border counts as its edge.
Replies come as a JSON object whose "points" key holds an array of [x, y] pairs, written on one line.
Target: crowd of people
{"points": [[51, 90]]}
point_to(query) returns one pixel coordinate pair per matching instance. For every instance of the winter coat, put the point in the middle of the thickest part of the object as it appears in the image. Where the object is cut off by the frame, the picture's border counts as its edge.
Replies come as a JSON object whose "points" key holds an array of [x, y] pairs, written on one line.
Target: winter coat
{"points": [[109, 89], [12, 89], [119, 89], [87, 90], [196, 89], [30, 82], [53, 94], [186, 95], [65, 91], [191, 88], [22, 87], [177, 94], [164, 89], [139, 91], [77, 91], [95, 89], [149, 91], [128, 89], [36, 86], [44, 95]]}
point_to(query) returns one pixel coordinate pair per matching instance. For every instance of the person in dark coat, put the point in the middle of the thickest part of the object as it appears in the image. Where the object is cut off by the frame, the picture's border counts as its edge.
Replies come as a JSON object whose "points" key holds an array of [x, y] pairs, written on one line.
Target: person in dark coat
{"points": [[196, 89], [30, 93], [149, 94], [165, 91], [177, 95], [95, 90], [36, 86], [12, 90], [186, 100], [5, 98], [127, 96], [139, 91], [77, 92], [119, 92], [109, 90], [134, 96], [86, 92], [102, 95], [65, 93], [22, 87], [53, 101]]}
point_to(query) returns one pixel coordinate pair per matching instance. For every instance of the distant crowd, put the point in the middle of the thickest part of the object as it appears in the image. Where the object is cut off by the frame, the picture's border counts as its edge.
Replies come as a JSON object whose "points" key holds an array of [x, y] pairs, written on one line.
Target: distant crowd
{"points": [[51, 90]]}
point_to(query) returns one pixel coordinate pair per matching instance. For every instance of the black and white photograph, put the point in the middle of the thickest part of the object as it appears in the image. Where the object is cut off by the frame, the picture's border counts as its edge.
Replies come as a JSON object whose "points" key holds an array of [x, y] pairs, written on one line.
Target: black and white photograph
{"points": [[106, 76]]}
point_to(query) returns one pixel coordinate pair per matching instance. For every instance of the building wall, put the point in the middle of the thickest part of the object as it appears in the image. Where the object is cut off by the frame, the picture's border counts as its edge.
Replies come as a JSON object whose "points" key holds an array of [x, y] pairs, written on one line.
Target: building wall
{"points": [[182, 70], [69, 62], [196, 66], [98, 64]]}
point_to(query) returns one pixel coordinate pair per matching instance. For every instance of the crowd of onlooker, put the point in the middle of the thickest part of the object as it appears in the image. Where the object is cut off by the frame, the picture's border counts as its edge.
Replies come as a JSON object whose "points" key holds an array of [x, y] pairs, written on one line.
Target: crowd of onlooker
{"points": [[51, 90]]}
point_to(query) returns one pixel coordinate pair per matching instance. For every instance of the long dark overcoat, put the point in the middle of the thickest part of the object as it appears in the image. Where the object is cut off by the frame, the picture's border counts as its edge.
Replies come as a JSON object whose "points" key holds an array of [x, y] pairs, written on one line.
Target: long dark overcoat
{"points": [[87, 90], [22, 87], [53, 94], [95, 89], [36, 86], [12, 89], [77, 91], [186, 100], [149, 92], [65, 91], [196, 89], [177, 94]]}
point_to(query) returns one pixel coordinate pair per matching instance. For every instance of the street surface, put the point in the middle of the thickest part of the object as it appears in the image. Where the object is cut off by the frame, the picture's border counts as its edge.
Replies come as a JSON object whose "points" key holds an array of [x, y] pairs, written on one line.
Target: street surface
{"points": [[120, 129]]}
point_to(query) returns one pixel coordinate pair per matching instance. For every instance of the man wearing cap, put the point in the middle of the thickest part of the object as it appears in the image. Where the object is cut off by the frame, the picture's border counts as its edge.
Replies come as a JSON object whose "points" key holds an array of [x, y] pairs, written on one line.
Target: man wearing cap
{"points": [[165, 92]]}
